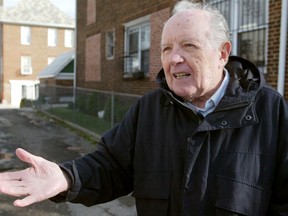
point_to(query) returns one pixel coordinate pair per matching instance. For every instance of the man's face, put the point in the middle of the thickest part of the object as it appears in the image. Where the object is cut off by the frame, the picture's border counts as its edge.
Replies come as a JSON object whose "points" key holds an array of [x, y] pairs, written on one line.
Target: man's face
{"points": [[193, 66]]}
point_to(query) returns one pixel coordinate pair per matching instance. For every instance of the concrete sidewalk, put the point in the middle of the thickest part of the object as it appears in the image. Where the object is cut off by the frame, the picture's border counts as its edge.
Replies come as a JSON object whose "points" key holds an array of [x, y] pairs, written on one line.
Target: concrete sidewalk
{"points": [[7, 106]]}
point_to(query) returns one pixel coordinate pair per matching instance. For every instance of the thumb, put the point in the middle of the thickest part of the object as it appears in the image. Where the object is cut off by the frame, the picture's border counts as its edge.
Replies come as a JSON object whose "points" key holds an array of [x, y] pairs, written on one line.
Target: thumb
{"points": [[25, 156], [25, 201]]}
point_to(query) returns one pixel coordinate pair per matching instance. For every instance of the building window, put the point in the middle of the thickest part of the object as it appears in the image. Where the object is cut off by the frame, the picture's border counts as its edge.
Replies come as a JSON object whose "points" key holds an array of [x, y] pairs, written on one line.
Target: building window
{"points": [[52, 37], [25, 35], [137, 48], [110, 44], [50, 60], [26, 65], [69, 38], [248, 23]]}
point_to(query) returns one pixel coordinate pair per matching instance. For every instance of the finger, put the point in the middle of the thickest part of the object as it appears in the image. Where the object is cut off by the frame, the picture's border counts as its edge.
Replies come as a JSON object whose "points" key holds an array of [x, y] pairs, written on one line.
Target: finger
{"points": [[24, 202], [16, 175], [25, 156], [15, 191]]}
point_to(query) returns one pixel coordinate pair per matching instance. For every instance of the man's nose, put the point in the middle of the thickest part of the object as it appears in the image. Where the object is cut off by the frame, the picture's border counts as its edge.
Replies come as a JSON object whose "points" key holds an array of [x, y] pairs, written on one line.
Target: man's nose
{"points": [[176, 58]]}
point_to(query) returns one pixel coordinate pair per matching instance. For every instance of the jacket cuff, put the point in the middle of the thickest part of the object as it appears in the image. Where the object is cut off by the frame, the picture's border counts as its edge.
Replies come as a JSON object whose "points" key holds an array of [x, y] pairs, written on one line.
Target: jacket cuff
{"points": [[70, 169]]}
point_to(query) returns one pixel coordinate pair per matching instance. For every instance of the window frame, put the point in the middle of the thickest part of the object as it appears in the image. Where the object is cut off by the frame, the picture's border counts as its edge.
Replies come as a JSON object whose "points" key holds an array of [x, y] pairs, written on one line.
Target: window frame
{"points": [[236, 29], [129, 27], [52, 37], [68, 38], [50, 59], [110, 44], [26, 63], [25, 35]]}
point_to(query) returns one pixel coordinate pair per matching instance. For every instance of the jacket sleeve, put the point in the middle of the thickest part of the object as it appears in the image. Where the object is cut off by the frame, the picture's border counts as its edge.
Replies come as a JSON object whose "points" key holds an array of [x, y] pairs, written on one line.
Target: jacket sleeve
{"points": [[107, 173], [279, 199]]}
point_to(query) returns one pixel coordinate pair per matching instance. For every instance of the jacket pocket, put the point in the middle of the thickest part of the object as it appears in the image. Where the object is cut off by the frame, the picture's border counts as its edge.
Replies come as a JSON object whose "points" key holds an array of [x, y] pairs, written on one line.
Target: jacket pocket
{"points": [[240, 198], [151, 192]]}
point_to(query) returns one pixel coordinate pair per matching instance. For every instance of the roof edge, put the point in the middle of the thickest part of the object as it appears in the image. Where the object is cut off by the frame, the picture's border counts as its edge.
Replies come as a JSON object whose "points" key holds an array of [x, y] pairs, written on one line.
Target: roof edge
{"points": [[37, 24]]}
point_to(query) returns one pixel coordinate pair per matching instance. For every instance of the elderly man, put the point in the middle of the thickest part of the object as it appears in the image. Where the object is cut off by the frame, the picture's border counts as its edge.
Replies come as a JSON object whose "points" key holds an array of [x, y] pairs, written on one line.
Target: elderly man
{"points": [[215, 141]]}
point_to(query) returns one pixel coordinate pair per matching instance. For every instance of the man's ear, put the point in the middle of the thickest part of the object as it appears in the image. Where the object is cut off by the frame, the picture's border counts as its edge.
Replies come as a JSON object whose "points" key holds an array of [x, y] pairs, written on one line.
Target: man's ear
{"points": [[225, 50]]}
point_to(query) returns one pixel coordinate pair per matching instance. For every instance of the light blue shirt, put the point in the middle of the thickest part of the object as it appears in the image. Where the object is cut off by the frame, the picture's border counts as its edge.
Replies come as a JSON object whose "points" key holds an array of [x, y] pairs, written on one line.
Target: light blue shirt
{"points": [[211, 104]]}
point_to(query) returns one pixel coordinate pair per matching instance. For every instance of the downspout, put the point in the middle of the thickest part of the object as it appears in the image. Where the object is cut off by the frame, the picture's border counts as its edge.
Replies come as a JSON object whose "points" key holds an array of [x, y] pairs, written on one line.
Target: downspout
{"points": [[282, 48], [75, 54]]}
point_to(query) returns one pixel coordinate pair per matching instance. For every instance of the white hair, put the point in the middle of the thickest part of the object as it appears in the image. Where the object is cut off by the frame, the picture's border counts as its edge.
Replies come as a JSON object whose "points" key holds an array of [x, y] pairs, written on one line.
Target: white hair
{"points": [[219, 25]]}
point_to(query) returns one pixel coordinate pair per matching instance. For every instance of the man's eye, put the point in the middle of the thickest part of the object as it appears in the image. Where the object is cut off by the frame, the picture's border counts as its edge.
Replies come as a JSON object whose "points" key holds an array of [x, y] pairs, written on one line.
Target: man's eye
{"points": [[165, 49], [189, 45]]}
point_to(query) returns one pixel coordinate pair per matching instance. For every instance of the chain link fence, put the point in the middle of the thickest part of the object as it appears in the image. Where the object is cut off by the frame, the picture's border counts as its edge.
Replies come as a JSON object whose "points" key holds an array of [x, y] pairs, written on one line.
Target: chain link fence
{"points": [[96, 111]]}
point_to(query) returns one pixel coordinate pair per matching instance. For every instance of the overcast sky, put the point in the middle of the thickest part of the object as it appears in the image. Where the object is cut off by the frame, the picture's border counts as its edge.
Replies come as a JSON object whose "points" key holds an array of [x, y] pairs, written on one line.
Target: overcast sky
{"points": [[67, 6]]}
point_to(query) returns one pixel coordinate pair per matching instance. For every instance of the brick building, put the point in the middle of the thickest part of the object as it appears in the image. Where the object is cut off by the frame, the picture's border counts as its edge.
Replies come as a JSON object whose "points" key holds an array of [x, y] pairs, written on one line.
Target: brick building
{"points": [[118, 42], [30, 38]]}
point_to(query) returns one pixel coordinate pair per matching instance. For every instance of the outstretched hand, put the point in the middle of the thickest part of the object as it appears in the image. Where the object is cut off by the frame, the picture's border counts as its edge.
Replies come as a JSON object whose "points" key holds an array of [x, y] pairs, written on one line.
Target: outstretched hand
{"points": [[43, 180]]}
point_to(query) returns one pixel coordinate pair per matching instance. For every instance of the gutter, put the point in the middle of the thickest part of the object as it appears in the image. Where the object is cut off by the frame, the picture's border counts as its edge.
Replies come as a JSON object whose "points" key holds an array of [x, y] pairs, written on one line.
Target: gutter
{"points": [[41, 24], [282, 48]]}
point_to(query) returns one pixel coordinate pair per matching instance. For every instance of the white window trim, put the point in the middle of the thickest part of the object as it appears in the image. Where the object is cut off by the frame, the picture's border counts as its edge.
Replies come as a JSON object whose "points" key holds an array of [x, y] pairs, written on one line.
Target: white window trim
{"points": [[235, 29], [52, 42], [128, 25], [26, 69], [25, 39], [69, 38], [137, 21], [110, 57], [50, 59]]}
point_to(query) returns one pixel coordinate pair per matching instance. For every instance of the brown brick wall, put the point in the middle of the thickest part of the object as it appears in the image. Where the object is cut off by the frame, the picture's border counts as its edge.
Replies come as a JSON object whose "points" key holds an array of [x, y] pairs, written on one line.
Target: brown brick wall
{"points": [[157, 22], [273, 45], [38, 50], [112, 14], [273, 42]]}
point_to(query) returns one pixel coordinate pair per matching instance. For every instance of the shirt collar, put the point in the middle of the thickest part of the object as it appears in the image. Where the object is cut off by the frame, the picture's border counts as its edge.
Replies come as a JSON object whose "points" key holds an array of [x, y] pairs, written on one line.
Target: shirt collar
{"points": [[217, 96], [211, 104]]}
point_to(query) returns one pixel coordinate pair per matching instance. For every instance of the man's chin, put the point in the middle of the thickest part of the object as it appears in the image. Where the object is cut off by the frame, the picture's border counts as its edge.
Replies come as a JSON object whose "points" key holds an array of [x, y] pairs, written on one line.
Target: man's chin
{"points": [[186, 96]]}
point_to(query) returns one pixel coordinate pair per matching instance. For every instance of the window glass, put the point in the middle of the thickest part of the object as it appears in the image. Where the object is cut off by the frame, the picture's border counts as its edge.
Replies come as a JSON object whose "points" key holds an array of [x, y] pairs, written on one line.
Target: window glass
{"points": [[248, 25], [133, 39], [137, 50], [26, 65], [69, 38], [50, 60], [110, 44], [25, 35], [251, 13], [251, 46], [145, 48], [224, 6], [52, 37]]}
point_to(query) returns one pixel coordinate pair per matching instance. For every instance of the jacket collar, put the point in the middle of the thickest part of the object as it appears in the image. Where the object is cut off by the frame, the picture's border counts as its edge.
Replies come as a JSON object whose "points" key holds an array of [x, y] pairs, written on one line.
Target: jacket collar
{"points": [[245, 82]]}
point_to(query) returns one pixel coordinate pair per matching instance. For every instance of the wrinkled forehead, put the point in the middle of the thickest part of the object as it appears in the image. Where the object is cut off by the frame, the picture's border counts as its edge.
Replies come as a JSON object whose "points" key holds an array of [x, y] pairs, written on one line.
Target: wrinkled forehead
{"points": [[192, 22], [191, 17]]}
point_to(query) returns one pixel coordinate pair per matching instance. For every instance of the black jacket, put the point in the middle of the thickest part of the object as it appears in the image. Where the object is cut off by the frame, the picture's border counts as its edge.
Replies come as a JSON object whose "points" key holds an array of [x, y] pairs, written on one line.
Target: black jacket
{"points": [[232, 162]]}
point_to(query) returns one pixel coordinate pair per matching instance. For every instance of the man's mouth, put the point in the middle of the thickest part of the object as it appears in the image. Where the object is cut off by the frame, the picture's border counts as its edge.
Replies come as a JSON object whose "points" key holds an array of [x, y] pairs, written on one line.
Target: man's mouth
{"points": [[181, 75]]}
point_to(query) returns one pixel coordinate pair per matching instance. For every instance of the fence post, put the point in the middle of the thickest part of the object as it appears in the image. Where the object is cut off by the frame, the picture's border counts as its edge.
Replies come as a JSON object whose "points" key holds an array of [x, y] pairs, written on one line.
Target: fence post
{"points": [[74, 104], [112, 108]]}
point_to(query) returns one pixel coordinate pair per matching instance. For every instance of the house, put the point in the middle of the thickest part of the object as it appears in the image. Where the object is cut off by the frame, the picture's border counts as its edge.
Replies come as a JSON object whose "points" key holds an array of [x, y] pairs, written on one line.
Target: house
{"points": [[32, 35], [60, 71], [118, 42], [57, 79]]}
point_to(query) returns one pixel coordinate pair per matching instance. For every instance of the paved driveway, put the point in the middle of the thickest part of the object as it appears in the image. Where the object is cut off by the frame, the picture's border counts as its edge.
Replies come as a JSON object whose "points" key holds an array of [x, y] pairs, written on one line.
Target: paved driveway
{"points": [[47, 138]]}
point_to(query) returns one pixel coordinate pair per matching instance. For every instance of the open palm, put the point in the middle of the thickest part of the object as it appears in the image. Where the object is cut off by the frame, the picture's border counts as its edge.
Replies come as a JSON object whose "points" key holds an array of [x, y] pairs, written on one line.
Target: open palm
{"points": [[43, 180]]}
